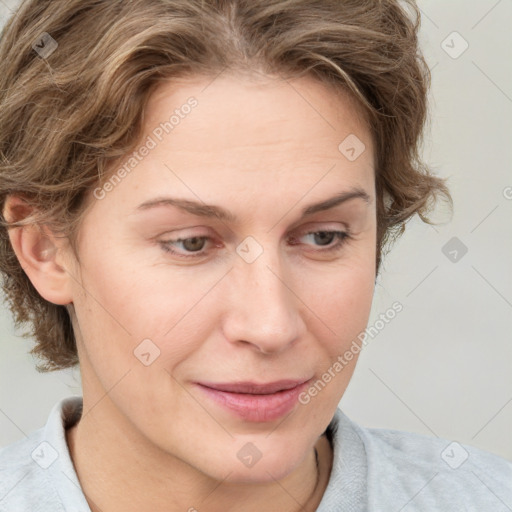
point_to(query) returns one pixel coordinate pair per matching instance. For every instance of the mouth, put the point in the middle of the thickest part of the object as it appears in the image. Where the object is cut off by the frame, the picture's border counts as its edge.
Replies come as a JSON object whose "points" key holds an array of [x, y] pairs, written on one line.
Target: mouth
{"points": [[256, 402]]}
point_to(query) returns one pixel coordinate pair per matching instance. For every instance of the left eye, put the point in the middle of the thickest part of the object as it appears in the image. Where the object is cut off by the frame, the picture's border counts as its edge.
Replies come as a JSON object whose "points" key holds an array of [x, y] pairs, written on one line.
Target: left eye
{"points": [[325, 239]]}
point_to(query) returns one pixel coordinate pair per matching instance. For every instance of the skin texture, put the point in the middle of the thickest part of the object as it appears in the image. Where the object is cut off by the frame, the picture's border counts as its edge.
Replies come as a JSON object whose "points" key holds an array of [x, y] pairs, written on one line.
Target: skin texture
{"points": [[149, 438]]}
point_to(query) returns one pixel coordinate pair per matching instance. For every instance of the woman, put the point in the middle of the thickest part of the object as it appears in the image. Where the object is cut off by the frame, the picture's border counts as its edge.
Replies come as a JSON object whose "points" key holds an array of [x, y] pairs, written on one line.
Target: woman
{"points": [[196, 196]]}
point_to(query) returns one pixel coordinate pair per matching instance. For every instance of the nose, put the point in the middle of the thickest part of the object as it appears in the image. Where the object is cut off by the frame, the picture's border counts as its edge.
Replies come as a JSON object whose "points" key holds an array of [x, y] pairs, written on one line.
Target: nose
{"points": [[262, 307]]}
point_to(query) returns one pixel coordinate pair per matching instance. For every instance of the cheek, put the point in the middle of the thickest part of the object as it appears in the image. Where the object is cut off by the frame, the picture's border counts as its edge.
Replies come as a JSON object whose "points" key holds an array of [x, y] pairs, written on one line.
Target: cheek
{"points": [[341, 298], [128, 301], [342, 310]]}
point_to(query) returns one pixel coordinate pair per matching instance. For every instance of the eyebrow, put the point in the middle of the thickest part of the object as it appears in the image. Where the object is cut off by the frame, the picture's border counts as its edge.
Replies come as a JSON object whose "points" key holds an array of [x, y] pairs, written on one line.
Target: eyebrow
{"points": [[208, 210]]}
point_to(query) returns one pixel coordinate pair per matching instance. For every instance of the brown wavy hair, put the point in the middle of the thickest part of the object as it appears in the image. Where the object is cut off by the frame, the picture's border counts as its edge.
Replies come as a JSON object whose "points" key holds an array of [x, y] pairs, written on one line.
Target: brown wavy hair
{"points": [[66, 117]]}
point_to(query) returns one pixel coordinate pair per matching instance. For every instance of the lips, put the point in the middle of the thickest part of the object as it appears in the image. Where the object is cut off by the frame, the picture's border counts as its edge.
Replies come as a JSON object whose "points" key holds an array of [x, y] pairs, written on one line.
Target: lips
{"points": [[253, 388], [255, 402]]}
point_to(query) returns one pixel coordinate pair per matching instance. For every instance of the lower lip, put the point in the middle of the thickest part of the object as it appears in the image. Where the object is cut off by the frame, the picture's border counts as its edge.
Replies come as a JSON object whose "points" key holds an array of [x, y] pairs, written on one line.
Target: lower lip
{"points": [[257, 408]]}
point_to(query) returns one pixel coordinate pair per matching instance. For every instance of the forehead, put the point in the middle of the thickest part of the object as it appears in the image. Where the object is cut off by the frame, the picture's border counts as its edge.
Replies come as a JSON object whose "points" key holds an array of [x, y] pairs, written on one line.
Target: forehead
{"points": [[238, 112]]}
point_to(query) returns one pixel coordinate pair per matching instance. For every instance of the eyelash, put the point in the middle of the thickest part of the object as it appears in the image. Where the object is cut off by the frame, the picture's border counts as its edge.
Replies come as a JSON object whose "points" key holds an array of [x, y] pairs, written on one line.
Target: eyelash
{"points": [[342, 237]]}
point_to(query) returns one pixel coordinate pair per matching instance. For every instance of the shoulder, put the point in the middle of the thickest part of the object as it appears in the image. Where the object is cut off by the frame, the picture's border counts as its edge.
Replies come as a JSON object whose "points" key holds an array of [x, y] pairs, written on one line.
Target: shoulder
{"points": [[23, 481], [428, 473], [37, 473]]}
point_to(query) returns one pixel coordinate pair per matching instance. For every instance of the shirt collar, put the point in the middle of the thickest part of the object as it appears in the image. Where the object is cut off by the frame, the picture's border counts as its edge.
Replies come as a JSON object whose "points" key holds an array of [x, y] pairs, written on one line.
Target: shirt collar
{"points": [[61, 472], [346, 489]]}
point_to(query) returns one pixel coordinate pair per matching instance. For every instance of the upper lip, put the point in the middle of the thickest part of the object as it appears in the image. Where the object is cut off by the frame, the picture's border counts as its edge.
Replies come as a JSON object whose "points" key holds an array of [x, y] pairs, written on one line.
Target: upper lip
{"points": [[254, 388]]}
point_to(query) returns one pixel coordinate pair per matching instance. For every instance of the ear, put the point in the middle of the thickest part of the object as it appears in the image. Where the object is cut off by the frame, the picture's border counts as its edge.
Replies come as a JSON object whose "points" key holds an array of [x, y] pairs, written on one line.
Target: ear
{"points": [[40, 253]]}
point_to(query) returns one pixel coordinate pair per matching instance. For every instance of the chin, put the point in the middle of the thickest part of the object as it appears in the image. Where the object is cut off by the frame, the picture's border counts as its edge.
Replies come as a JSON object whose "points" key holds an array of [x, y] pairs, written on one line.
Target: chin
{"points": [[249, 465]]}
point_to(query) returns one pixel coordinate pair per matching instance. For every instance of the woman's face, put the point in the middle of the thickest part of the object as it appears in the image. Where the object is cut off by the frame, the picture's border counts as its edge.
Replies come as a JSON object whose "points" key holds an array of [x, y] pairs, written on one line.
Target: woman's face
{"points": [[167, 298]]}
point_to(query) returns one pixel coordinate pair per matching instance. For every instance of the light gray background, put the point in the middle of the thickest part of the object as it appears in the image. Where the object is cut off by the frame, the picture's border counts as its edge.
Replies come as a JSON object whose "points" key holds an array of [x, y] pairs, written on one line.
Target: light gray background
{"points": [[443, 365]]}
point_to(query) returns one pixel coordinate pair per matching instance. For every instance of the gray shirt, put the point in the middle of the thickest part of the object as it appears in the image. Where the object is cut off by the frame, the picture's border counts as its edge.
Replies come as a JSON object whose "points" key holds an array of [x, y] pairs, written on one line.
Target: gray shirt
{"points": [[375, 470]]}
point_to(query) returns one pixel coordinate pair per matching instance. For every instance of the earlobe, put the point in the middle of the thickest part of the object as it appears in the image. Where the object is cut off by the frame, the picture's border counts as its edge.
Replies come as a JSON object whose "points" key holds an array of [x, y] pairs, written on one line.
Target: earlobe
{"points": [[39, 253]]}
